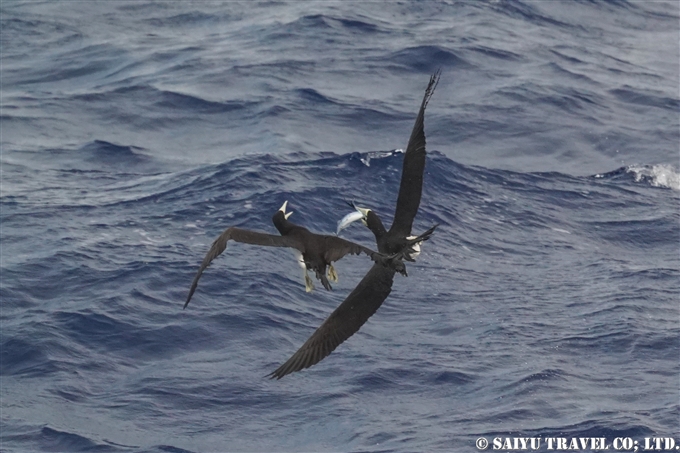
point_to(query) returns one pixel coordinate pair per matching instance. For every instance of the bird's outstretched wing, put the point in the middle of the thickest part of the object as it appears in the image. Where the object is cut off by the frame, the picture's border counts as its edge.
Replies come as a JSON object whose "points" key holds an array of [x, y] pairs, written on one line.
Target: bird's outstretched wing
{"points": [[411, 186], [239, 235], [336, 248], [344, 322]]}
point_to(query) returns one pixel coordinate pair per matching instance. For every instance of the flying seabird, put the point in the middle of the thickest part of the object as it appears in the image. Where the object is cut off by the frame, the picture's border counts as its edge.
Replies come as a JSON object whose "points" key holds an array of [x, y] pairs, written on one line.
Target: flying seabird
{"points": [[316, 251], [376, 285]]}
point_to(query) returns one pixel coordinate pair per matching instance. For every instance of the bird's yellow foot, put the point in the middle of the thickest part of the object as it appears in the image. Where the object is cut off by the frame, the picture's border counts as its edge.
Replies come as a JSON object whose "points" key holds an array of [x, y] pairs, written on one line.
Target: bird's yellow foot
{"points": [[332, 274], [309, 284]]}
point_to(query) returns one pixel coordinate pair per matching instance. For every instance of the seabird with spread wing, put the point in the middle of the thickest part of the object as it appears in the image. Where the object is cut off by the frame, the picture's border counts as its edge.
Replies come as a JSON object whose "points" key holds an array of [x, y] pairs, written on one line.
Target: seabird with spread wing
{"points": [[316, 252]]}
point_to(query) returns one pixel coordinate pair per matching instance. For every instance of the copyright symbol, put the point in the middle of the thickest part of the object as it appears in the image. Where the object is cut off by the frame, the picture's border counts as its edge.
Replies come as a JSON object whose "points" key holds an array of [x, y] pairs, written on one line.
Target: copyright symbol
{"points": [[482, 443]]}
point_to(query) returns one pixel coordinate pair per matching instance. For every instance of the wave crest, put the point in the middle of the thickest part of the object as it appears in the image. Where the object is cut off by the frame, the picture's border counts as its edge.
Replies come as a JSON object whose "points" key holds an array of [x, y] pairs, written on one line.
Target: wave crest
{"points": [[661, 175]]}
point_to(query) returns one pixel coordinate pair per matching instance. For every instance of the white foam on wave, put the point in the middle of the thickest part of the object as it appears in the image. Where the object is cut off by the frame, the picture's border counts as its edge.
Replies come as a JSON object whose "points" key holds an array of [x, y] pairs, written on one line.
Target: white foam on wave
{"points": [[661, 175], [379, 155]]}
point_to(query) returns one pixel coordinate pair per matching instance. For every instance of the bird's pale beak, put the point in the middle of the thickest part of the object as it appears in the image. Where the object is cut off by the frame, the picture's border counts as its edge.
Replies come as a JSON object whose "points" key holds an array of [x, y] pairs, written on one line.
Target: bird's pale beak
{"points": [[283, 209], [364, 212]]}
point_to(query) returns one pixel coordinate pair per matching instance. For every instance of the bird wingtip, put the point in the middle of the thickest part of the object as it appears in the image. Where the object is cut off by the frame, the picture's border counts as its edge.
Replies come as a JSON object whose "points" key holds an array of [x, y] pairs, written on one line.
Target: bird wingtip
{"points": [[274, 375], [187, 302]]}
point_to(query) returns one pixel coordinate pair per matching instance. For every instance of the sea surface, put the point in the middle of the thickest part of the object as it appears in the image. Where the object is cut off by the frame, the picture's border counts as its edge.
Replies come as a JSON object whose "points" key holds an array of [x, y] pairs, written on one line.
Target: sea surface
{"points": [[546, 305]]}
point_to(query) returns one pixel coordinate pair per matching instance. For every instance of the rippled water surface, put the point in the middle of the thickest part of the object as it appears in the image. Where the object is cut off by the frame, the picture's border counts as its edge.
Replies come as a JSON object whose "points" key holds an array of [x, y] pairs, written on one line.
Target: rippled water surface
{"points": [[133, 133]]}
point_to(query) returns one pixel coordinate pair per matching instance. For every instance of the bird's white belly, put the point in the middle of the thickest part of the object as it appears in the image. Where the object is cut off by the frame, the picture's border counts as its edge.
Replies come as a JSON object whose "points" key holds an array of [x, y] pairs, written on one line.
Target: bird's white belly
{"points": [[300, 260], [415, 247]]}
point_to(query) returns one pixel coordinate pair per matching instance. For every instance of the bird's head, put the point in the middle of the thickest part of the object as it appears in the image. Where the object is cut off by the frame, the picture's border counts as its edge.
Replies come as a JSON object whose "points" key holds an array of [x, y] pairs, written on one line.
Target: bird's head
{"points": [[280, 218]]}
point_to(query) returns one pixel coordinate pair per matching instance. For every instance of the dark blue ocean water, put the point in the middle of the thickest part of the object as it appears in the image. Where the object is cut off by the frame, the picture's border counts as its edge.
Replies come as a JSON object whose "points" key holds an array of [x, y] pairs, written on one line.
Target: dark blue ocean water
{"points": [[133, 133]]}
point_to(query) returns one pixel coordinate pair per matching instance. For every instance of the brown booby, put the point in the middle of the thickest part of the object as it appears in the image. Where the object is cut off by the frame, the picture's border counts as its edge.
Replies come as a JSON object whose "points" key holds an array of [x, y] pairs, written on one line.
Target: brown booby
{"points": [[317, 252]]}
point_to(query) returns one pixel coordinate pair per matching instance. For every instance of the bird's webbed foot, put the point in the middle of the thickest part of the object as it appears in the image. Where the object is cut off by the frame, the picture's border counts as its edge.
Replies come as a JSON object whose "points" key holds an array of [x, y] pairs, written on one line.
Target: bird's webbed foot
{"points": [[309, 284], [332, 274]]}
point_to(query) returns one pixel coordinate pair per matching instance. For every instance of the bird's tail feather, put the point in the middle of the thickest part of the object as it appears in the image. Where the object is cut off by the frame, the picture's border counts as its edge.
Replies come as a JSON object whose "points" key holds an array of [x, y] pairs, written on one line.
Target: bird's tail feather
{"points": [[324, 280], [409, 249], [424, 236]]}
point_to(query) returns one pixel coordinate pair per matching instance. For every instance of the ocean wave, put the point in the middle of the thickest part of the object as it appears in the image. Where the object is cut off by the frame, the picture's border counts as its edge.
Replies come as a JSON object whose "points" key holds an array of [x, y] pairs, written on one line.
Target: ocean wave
{"points": [[545, 304]]}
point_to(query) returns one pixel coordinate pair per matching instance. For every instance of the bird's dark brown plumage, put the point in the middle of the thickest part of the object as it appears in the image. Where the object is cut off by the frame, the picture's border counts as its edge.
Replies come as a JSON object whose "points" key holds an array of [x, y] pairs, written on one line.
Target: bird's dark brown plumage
{"points": [[376, 285], [347, 319], [238, 235], [344, 322], [413, 168], [317, 250]]}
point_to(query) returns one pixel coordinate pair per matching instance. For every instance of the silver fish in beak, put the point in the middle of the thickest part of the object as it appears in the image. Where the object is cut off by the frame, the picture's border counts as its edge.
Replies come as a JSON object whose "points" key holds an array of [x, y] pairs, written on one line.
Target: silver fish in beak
{"points": [[357, 214]]}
